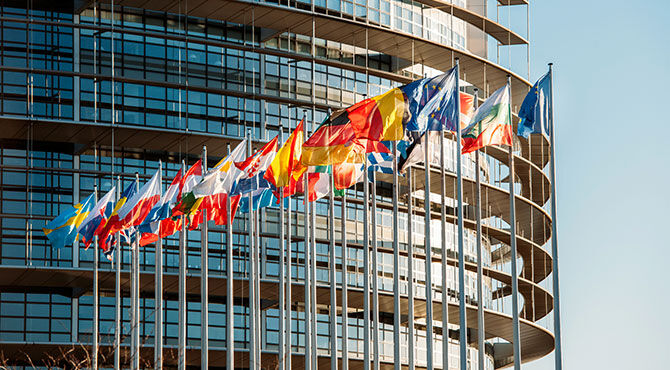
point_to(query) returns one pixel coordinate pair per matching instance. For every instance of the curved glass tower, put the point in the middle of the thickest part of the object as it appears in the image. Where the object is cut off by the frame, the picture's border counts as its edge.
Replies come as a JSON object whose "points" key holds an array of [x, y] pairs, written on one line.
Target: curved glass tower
{"points": [[92, 92]]}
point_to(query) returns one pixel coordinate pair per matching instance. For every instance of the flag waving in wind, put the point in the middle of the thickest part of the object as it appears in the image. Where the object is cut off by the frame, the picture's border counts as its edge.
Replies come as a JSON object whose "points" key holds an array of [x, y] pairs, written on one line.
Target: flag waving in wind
{"points": [[62, 230], [253, 169], [97, 217], [158, 223], [286, 164], [491, 123], [535, 110]]}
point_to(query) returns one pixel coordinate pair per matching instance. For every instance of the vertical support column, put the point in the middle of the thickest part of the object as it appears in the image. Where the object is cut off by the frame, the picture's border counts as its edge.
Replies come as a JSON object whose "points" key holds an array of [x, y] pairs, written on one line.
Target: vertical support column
{"points": [[204, 281], [77, 68]]}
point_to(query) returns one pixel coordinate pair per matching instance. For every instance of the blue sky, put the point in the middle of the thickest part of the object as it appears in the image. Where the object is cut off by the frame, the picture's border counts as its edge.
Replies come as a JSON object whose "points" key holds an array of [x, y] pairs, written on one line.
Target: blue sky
{"points": [[611, 61]]}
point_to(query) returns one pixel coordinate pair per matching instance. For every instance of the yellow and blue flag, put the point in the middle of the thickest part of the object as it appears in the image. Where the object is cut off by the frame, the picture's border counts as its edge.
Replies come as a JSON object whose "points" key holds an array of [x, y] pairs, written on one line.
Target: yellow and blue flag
{"points": [[62, 230]]}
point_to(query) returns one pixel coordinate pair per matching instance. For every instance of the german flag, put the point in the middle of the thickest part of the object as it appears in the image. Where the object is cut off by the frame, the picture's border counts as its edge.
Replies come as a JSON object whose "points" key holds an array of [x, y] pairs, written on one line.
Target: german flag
{"points": [[348, 134]]}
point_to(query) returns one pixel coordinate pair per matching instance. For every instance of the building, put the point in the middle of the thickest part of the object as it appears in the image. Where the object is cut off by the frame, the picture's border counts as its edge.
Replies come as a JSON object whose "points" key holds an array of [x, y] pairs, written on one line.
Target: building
{"points": [[191, 73]]}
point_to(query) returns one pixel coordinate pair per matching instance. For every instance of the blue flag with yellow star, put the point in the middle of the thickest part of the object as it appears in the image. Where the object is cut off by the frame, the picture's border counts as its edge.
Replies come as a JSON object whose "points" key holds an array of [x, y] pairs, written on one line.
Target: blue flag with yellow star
{"points": [[432, 103], [535, 109]]}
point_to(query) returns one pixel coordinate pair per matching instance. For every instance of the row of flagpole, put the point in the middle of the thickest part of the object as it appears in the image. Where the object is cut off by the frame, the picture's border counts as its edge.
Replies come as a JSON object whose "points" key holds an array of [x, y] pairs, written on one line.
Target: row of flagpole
{"points": [[310, 274]]}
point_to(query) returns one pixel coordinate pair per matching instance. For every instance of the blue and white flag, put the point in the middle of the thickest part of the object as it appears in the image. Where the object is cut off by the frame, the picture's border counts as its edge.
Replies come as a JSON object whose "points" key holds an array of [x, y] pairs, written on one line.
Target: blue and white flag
{"points": [[432, 103], [535, 109]]}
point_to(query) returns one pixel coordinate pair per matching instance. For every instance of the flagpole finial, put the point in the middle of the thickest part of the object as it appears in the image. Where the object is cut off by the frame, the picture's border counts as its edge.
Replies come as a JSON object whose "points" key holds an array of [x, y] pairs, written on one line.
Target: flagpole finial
{"points": [[550, 64]]}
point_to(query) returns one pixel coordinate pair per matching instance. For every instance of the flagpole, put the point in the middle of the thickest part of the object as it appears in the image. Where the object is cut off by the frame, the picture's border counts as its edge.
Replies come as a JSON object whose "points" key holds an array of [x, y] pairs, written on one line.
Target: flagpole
{"points": [[230, 308], [366, 268], [308, 316], [289, 295], [554, 232], [282, 267], [257, 287], [345, 290], [443, 224], [252, 275], [396, 264], [515, 289], [135, 330], [117, 291], [204, 283], [410, 270], [96, 293], [480, 288], [182, 289], [315, 349], [428, 261], [463, 338], [158, 326], [375, 286], [333, 276]]}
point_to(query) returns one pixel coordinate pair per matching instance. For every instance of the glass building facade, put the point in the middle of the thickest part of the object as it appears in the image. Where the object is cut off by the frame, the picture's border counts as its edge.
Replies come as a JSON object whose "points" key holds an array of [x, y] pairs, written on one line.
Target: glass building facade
{"points": [[94, 91]]}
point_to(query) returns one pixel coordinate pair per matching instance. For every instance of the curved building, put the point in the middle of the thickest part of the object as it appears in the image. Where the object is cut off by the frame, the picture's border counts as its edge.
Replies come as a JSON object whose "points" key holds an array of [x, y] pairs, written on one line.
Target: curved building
{"points": [[93, 91]]}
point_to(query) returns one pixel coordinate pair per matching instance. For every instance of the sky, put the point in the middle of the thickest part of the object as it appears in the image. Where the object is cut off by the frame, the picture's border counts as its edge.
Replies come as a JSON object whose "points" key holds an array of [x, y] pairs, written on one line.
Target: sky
{"points": [[611, 61]]}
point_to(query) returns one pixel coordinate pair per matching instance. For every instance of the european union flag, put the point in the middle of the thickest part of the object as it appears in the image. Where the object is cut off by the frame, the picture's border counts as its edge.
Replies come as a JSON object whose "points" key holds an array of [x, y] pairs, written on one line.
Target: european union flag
{"points": [[62, 230], [432, 103], [535, 109]]}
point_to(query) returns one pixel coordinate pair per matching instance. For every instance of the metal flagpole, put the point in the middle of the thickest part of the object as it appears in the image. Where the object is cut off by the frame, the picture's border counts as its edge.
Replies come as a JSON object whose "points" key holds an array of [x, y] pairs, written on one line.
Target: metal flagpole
{"points": [[396, 265], [204, 276], [96, 296], [443, 223], [289, 294], [282, 275], [554, 232], [410, 270], [257, 287], [182, 288], [463, 328], [117, 291], [480, 288], [230, 308], [345, 290], [428, 268], [315, 355], [375, 286], [134, 280], [158, 347], [366, 268], [252, 275], [307, 275], [333, 277], [515, 287]]}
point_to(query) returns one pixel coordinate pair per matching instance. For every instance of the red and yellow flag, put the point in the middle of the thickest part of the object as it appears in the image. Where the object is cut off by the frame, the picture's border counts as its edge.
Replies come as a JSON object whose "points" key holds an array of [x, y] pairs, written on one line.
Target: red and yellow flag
{"points": [[286, 163]]}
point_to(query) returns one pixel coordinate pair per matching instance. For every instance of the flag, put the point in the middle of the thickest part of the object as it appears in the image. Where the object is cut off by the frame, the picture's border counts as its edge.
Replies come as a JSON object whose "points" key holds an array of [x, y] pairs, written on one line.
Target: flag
{"points": [[411, 148], [491, 124], [380, 162], [318, 181], [253, 169], [159, 218], [261, 198], [97, 217], [185, 198], [62, 230], [432, 103], [106, 239], [535, 109], [134, 210], [286, 163]]}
